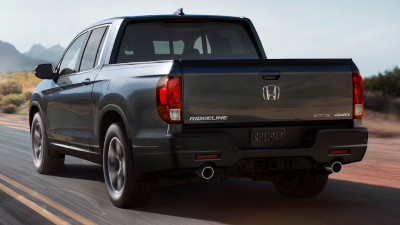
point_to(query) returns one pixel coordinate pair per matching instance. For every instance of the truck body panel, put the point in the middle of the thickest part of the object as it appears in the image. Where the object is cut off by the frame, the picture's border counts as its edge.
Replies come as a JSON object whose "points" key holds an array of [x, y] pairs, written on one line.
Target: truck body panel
{"points": [[309, 90]]}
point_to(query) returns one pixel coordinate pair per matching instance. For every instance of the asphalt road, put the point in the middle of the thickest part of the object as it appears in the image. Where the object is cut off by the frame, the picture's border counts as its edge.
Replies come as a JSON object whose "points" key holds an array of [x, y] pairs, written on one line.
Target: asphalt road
{"points": [[80, 188]]}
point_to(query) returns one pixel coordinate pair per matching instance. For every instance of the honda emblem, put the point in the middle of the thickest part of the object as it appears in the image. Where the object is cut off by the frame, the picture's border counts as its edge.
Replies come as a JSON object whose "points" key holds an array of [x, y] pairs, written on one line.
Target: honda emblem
{"points": [[271, 92]]}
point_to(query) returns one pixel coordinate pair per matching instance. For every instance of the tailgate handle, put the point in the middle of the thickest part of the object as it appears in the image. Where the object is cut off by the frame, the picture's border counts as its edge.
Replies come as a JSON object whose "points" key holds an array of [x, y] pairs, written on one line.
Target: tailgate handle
{"points": [[270, 75]]}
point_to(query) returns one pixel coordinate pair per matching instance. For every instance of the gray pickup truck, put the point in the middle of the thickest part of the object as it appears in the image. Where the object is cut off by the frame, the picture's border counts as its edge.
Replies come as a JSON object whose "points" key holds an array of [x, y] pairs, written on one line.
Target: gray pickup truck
{"points": [[172, 99]]}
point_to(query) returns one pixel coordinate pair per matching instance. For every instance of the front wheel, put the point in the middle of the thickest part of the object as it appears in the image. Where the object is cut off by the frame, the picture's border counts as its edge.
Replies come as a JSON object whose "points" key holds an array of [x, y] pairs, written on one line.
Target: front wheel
{"points": [[123, 190], [302, 184], [43, 162]]}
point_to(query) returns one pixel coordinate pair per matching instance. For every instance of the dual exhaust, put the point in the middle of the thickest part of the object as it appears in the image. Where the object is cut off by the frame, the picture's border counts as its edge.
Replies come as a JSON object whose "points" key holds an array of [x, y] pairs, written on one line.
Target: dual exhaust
{"points": [[207, 171]]}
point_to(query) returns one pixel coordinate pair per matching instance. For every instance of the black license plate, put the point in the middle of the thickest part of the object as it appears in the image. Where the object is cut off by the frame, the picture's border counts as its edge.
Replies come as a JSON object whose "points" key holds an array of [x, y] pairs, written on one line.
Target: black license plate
{"points": [[268, 137]]}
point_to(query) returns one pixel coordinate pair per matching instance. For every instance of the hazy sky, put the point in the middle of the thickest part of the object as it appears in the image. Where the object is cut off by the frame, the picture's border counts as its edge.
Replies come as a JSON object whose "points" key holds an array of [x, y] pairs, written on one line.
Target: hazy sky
{"points": [[367, 31]]}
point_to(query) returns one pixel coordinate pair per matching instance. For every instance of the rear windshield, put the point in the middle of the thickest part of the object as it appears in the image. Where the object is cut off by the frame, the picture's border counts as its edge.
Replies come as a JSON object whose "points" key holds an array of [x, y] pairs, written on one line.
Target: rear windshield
{"points": [[164, 41]]}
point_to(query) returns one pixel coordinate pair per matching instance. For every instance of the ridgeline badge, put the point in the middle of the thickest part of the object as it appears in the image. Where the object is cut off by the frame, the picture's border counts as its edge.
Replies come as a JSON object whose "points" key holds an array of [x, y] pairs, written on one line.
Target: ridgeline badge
{"points": [[197, 118]]}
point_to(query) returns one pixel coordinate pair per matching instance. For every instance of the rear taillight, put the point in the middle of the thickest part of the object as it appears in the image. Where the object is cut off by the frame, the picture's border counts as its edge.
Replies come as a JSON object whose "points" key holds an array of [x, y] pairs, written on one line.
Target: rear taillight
{"points": [[358, 96], [169, 99]]}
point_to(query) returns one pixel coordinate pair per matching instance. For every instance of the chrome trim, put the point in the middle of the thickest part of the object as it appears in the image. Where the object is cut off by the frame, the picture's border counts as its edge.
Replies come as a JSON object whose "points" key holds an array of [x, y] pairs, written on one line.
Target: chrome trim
{"points": [[144, 62], [267, 95], [147, 146], [207, 168], [330, 167], [322, 115], [201, 160], [338, 154], [80, 34], [71, 147]]}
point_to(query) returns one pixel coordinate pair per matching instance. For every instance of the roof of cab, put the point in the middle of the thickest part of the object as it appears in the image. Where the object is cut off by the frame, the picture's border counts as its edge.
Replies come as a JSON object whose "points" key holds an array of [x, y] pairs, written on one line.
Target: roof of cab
{"points": [[145, 17]]}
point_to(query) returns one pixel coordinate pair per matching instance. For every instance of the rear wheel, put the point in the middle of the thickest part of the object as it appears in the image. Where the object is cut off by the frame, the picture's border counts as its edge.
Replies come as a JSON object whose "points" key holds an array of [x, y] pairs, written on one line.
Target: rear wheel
{"points": [[43, 162], [302, 184], [123, 190]]}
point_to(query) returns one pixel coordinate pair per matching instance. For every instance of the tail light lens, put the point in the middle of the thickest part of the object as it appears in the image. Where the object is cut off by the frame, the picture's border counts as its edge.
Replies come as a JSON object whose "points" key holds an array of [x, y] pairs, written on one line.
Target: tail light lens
{"points": [[358, 96], [169, 99]]}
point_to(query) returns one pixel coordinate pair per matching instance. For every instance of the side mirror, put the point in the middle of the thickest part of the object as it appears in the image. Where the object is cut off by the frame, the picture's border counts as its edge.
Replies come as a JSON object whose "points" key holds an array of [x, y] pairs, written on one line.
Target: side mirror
{"points": [[44, 71]]}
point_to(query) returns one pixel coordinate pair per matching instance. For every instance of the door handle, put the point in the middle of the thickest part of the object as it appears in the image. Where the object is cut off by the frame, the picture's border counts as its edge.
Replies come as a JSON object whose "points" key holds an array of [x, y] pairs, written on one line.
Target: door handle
{"points": [[270, 75], [86, 81], [63, 85]]}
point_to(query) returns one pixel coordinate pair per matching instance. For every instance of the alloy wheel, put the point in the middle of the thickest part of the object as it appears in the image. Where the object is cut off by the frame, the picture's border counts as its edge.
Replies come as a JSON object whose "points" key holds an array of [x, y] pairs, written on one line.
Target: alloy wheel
{"points": [[116, 165], [37, 144]]}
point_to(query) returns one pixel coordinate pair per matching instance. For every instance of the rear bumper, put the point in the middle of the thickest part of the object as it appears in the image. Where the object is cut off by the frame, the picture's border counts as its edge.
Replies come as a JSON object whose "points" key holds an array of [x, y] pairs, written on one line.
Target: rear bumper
{"points": [[179, 151]]}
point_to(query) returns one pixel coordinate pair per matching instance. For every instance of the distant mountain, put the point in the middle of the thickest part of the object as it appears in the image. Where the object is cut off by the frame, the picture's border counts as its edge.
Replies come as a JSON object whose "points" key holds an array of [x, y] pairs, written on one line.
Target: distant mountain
{"points": [[12, 60], [52, 54]]}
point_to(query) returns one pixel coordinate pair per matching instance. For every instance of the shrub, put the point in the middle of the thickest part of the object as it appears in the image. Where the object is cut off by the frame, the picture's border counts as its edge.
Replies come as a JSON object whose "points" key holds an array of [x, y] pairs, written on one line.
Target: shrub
{"points": [[387, 83], [27, 95], [395, 106], [14, 99], [381, 103], [10, 108], [376, 102], [10, 86]]}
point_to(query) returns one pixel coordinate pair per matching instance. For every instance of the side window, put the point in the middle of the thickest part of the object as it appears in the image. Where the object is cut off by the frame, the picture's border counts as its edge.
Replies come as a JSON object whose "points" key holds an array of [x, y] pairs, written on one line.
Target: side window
{"points": [[70, 58], [92, 49], [101, 46]]}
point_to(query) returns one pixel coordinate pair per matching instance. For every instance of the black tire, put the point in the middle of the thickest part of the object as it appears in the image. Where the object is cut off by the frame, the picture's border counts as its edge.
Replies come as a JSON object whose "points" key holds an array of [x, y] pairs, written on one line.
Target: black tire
{"points": [[123, 189], [43, 162], [303, 184]]}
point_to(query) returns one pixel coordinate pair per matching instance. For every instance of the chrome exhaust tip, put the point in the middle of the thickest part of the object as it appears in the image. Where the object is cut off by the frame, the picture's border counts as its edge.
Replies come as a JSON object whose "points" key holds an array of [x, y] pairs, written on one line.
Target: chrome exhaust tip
{"points": [[333, 167], [206, 172]]}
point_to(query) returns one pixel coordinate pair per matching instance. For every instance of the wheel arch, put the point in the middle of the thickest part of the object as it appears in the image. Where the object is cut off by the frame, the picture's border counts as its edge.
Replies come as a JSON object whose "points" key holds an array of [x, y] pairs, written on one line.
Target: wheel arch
{"points": [[111, 114], [33, 109]]}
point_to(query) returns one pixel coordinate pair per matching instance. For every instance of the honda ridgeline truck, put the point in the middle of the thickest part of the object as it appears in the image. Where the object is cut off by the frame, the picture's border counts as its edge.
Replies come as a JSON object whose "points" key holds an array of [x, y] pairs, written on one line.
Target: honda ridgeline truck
{"points": [[171, 99]]}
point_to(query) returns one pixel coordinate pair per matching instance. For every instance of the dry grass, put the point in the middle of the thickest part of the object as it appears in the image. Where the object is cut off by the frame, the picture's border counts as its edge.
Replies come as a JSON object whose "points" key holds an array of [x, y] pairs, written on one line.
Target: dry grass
{"points": [[28, 82]]}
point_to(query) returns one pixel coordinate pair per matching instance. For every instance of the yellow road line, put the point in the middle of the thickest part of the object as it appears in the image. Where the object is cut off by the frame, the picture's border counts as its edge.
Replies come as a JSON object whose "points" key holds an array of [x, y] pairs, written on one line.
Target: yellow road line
{"points": [[46, 214], [48, 201]]}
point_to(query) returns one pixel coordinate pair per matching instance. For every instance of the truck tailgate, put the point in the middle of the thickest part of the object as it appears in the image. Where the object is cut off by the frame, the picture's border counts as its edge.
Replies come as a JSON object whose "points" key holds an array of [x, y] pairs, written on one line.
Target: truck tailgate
{"points": [[234, 91]]}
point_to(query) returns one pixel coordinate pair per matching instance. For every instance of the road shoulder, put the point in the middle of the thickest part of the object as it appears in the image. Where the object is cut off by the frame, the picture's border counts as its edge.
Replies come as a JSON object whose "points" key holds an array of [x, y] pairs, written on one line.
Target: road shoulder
{"points": [[20, 122]]}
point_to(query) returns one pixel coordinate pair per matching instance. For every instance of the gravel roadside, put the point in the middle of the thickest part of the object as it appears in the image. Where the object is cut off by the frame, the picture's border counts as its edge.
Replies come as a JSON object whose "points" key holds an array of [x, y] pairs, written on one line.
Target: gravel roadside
{"points": [[20, 122]]}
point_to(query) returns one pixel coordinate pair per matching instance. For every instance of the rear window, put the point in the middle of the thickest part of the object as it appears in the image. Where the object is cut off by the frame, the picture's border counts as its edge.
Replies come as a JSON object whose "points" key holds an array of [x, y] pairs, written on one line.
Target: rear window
{"points": [[163, 41]]}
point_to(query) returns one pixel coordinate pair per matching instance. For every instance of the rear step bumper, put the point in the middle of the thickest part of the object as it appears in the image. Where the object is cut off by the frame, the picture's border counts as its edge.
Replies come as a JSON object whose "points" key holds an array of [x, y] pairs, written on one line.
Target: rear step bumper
{"points": [[180, 151]]}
